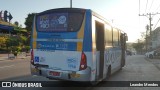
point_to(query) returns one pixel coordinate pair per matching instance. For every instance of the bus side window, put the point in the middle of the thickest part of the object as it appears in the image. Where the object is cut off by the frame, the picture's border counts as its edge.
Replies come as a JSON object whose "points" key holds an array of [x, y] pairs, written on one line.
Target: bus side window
{"points": [[119, 38], [115, 37], [126, 38], [108, 36]]}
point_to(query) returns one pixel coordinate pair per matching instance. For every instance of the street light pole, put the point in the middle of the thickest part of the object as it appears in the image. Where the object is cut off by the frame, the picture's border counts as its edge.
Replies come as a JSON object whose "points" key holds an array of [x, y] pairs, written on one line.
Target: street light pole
{"points": [[70, 3]]}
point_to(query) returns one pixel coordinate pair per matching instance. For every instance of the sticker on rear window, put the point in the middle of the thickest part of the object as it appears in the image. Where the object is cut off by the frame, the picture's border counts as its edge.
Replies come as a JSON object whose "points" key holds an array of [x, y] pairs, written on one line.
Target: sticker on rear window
{"points": [[36, 59]]}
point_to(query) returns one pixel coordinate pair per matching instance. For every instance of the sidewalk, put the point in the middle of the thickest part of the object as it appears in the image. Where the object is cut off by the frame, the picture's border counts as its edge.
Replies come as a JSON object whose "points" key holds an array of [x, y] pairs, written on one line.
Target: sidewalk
{"points": [[12, 57], [156, 62], [152, 60]]}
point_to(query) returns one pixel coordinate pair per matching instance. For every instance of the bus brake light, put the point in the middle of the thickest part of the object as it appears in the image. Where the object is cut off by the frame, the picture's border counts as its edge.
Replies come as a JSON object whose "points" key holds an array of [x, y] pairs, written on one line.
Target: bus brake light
{"points": [[32, 57], [83, 63]]}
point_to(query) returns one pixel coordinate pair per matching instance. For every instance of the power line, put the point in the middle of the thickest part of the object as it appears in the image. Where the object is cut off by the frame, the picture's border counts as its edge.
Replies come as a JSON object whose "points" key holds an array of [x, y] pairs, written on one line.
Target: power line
{"points": [[157, 8], [150, 19], [139, 6], [158, 19], [149, 15], [146, 6], [151, 5], [156, 24]]}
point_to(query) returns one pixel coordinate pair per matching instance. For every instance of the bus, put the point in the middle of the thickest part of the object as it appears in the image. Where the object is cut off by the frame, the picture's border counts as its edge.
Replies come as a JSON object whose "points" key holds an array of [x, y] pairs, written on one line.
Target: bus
{"points": [[75, 44]]}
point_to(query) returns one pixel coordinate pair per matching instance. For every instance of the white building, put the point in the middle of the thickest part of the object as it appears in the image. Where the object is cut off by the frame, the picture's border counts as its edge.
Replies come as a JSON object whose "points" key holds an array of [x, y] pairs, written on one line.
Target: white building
{"points": [[155, 38]]}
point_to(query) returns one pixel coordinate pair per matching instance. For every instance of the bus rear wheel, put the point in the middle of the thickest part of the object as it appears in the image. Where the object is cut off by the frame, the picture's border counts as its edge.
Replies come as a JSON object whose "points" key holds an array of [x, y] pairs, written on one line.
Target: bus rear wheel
{"points": [[108, 72]]}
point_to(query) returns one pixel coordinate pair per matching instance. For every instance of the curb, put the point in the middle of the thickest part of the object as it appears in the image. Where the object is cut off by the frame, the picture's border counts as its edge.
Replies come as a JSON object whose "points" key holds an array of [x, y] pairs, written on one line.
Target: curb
{"points": [[4, 59], [18, 58], [151, 59], [157, 65]]}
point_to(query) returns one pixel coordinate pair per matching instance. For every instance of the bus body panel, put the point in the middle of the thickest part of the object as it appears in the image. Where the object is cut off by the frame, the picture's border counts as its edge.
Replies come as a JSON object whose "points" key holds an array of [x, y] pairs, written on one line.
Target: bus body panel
{"points": [[58, 55], [59, 60], [61, 52], [115, 56], [66, 74], [112, 55]]}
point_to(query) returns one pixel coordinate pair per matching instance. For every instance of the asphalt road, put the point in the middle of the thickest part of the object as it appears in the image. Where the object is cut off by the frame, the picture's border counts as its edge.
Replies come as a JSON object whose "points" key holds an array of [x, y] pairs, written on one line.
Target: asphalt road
{"points": [[10, 69], [137, 68]]}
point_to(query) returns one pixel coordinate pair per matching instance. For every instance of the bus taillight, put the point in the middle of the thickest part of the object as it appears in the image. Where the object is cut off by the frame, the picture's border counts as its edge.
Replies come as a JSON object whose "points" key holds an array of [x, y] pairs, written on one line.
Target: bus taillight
{"points": [[83, 63], [32, 57]]}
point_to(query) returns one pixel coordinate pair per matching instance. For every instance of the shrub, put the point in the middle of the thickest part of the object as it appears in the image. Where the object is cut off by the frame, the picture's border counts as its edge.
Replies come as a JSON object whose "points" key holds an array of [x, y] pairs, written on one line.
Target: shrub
{"points": [[27, 48]]}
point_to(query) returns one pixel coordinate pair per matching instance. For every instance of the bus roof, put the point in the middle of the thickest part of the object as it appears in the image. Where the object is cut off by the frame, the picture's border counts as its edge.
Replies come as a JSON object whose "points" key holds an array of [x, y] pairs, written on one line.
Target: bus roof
{"points": [[78, 10], [63, 9], [105, 20]]}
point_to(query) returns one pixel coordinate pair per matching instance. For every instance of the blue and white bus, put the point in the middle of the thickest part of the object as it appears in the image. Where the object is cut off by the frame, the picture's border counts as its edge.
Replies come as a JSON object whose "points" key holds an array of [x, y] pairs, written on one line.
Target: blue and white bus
{"points": [[75, 44]]}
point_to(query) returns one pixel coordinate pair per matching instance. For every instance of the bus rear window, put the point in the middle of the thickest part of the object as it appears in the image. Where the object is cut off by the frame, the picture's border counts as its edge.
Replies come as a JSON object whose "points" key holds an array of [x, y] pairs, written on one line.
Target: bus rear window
{"points": [[59, 22]]}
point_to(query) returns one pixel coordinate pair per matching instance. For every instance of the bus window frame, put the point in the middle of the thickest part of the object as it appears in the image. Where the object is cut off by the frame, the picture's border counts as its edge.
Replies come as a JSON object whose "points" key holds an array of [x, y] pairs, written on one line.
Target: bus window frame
{"points": [[67, 31]]}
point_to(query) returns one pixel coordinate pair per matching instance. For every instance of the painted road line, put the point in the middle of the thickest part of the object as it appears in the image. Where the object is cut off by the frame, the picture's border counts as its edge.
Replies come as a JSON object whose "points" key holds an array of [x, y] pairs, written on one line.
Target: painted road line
{"points": [[9, 66], [3, 58]]}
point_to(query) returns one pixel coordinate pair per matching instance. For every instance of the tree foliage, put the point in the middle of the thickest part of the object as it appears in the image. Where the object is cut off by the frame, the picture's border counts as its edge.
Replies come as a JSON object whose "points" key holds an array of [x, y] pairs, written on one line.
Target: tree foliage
{"points": [[20, 41], [3, 41], [139, 47], [16, 23], [16, 43], [29, 21], [12, 41]]}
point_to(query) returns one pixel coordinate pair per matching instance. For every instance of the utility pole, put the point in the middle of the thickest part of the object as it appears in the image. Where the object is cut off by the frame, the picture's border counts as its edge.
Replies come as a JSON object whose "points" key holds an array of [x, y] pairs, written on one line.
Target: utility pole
{"points": [[149, 15], [147, 28], [150, 24]]}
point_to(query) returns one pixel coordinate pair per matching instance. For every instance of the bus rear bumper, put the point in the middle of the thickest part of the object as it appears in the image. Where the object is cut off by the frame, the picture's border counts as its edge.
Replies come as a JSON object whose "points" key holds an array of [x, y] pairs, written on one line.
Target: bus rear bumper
{"points": [[83, 75]]}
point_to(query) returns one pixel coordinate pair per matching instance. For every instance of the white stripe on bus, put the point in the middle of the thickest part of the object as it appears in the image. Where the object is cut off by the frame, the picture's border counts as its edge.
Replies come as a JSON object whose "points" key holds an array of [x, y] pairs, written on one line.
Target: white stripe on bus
{"points": [[59, 40]]}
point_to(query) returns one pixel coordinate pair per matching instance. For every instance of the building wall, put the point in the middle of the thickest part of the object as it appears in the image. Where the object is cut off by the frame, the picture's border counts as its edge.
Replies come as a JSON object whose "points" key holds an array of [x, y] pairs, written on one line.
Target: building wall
{"points": [[155, 38]]}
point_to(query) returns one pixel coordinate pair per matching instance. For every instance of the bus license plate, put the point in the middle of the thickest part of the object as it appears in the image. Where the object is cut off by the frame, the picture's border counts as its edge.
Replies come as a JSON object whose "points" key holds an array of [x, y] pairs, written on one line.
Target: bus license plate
{"points": [[53, 73]]}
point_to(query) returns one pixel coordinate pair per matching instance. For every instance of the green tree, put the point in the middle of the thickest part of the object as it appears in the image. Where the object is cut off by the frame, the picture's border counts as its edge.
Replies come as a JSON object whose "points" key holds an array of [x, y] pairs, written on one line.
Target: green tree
{"points": [[23, 39], [12, 41], [139, 47], [29, 21], [2, 41], [12, 44], [16, 44], [16, 23]]}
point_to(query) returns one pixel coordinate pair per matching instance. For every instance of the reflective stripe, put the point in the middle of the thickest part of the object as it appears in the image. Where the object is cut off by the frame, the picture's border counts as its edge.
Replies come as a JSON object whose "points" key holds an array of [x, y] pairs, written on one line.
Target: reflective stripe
{"points": [[79, 46], [59, 40], [34, 34], [81, 31], [80, 35]]}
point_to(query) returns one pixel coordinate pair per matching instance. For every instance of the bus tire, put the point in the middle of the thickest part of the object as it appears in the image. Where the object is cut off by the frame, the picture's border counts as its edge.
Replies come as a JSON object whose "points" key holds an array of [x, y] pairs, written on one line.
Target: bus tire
{"points": [[93, 83], [108, 72], [120, 68]]}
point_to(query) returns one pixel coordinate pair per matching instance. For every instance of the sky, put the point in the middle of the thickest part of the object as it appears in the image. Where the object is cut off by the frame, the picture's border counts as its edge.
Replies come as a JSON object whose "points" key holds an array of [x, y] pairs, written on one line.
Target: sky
{"points": [[123, 13]]}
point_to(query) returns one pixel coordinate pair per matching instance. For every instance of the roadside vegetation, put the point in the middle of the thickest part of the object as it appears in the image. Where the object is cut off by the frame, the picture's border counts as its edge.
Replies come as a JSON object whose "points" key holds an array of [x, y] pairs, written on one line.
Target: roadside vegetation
{"points": [[18, 40]]}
